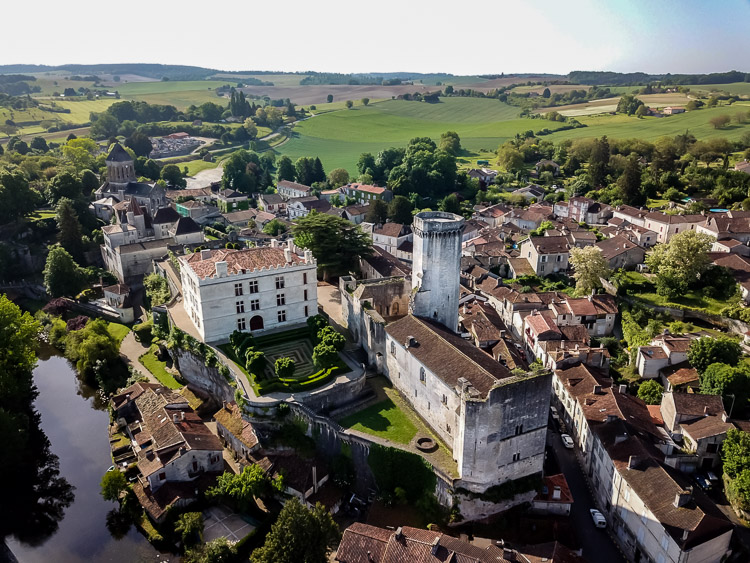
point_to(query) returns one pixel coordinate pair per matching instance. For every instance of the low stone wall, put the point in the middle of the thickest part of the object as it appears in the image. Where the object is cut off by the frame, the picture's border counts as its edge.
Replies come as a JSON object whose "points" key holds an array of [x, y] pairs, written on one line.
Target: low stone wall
{"points": [[477, 509]]}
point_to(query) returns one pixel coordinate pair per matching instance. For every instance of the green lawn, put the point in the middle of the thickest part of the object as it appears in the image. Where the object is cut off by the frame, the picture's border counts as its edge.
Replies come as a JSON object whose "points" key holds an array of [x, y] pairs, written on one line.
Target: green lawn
{"points": [[645, 291], [384, 420], [158, 369], [118, 331], [195, 166]]}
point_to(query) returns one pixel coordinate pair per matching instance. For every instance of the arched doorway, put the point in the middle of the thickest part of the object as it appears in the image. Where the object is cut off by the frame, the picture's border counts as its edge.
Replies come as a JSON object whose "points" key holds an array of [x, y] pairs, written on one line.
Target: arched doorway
{"points": [[256, 323]]}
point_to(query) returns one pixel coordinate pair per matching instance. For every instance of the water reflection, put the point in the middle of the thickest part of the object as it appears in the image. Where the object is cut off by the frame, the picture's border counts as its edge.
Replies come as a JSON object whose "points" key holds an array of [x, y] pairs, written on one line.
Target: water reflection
{"points": [[88, 528]]}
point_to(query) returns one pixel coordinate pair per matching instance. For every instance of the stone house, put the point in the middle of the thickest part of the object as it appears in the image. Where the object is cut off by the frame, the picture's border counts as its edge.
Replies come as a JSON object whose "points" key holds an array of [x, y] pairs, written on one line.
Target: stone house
{"points": [[256, 289], [237, 433], [733, 225], [365, 193], [301, 207], [291, 190], [620, 252], [231, 200], [554, 498], [272, 203], [546, 255], [665, 226], [118, 298], [530, 192], [394, 238], [663, 351]]}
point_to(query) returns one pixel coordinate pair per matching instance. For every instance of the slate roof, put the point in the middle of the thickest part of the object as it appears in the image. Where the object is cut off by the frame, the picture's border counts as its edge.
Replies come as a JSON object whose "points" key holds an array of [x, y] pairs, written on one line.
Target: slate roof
{"points": [[186, 225], [272, 199], [166, 215], [446, 355], [118, 154], [118, 289]]}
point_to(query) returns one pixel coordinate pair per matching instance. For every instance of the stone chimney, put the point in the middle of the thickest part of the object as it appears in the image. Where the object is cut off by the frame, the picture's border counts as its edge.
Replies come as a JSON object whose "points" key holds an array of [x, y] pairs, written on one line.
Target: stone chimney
{"points": [[205, 254], [399, 533], [274, 243], [290, 244], [288, 255], [308, 256], [682, 498], [221, 269]]}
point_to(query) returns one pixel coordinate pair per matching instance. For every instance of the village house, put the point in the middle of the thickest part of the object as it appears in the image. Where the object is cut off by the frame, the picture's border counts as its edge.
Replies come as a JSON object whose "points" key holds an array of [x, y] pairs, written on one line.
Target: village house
{"points": [[382, 264], [630, 214], [699, 421], [583, 210], [664, 351], [493, 215], [196, 210], [237, 433], [530, 192], [231, 200], [554, 498], [665, 226], [530, 218], [272, 203], [546, 255], [732, 226], [256, 289], [485, 176], [365, 193], [740, 268], [363, 543], [118, 298], [673, 110], [394, 238], [290, 190], [648, 505], [301, 206], [547, 165], [204, 195], [621, 252]]}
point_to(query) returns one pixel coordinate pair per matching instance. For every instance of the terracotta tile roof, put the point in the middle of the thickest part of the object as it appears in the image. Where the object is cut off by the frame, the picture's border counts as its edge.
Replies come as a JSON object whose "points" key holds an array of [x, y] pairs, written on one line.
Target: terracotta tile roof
{"points": [[271, 199], [393, 230], [118, 289], [675, 219], [655, 412], [653, 352], [615, 246], [483, 322], [543, 325], [521, 266], [362, 543], [582, 307], [386, 264], [552, 481], [705, 427], [366, 188], [238, 261], [230, 418], [446, 355], [575, 333], [695, 404], [683, 375], [550, 245]]}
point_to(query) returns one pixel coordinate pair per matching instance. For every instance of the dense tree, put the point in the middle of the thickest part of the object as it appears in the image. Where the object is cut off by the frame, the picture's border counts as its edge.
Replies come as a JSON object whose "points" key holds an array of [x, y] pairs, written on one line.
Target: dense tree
{"points": [[650, 392], [546, 93], [304, 171], [172, 175], [18, 333], [286, 169], [399, 210], [450, 142], [425, 170], [735, 452], [349, 104], [62, 276], [140, 143], [274, 228], [365, 101], [726, 380], [94, 351], [64, 185], [284, 367], [720, 121], [299, 535], [378, 212], [450, 204], [39, 144], [157, 289], [69, 228], [331, 337], [629, 104], [599, 161], [679, 262], [240, 171], [250, 128], [318, 174], [190, 527], [336, 244], [80, 152], [219, 550], [17, 199], [510, 158], [90, 181], [590, 266], [706, 351], [325, 355], [113, 485], [629, 182], [338, 177], [104, 126]]}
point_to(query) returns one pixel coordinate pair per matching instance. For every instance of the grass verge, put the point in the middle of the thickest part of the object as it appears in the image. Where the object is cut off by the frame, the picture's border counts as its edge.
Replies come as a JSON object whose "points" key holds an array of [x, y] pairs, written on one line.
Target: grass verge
{"points": [[118, 331], [158, 369]]}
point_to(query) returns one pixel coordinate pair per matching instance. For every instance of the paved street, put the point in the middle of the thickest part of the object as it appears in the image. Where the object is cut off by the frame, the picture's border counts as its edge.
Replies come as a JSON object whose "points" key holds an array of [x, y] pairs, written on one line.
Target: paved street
{"points": [[596, 543]]}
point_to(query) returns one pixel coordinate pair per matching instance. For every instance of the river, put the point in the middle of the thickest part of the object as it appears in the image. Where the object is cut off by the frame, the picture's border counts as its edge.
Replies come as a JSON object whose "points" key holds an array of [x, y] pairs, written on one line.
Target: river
{"points": [[75, 421]]}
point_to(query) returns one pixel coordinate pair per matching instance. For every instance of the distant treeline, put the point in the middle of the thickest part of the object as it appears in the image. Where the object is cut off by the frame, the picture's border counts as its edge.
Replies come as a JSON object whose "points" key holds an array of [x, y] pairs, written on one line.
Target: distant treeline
{"points": [[157, 71], [637, 78], [17, 84]]}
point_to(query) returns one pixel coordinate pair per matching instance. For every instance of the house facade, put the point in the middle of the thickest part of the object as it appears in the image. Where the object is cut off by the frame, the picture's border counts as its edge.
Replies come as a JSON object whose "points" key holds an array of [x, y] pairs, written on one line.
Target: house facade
{"points": [[257, 289]]}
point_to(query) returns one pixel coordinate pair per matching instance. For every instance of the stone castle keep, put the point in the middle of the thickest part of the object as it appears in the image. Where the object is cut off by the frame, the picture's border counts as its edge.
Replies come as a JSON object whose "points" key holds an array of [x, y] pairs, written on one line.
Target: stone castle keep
{"points": [[493, 420]]}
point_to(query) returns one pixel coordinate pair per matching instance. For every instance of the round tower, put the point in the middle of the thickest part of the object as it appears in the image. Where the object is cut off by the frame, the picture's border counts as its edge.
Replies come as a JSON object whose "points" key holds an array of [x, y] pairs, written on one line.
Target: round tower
{"points": [[436, 267]]}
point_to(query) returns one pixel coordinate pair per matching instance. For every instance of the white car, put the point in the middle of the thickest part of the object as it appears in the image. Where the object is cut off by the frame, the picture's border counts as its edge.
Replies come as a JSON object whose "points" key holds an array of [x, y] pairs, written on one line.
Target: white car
{"points": [[598, 518], [567, 441]]}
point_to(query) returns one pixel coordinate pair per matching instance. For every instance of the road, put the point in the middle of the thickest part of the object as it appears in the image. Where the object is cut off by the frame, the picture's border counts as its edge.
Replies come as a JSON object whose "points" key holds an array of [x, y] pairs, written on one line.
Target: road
{"points": [[596, 543]]}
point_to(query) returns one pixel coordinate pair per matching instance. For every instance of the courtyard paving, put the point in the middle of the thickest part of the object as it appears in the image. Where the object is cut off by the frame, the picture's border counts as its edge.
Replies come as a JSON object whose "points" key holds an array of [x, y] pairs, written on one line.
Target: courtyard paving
{"points": [[220, 522]]}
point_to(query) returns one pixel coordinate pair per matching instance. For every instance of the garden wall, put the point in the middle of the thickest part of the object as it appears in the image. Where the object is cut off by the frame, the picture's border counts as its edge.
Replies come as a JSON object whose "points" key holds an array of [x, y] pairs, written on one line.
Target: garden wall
{"points": [[477, 509], [195, 372]]}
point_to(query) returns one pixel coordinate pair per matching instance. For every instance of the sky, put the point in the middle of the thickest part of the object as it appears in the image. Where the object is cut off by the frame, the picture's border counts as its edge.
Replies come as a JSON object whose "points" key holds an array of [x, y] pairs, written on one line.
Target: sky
{"points": [[467, 37]]}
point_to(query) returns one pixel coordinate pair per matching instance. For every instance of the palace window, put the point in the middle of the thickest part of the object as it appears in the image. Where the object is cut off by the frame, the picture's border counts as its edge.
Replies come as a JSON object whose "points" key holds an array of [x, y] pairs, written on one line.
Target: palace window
{"points": [[254, 286], [255, 304], [517, 456], [422, 376], [305, 298], [238, 289], [280, 300], [445, 400], [241, 324], [304, 278], [240, 306], [281, 316], [279, 282]]}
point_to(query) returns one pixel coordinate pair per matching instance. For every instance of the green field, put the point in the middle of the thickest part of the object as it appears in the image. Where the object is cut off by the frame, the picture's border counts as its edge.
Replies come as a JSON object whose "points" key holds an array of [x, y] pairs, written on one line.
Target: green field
{"points": [[339, 137]]}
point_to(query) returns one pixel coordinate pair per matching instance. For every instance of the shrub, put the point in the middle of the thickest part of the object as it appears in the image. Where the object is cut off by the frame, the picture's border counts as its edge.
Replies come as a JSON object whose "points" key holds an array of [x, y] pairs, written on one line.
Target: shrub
{"points": [[324, 355], [143, 331], [284, 367], [330, 337], [76, 323]]}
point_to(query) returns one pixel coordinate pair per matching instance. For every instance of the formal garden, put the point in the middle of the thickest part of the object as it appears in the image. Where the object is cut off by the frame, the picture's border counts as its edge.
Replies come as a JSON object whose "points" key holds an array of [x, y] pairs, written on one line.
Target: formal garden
{"points": [[295, 360]]}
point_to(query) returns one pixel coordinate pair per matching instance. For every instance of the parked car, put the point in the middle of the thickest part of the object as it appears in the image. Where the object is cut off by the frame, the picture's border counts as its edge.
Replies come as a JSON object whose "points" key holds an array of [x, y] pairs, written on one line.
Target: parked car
{"points": [[567, 441], [702, 481], [598, 518]]}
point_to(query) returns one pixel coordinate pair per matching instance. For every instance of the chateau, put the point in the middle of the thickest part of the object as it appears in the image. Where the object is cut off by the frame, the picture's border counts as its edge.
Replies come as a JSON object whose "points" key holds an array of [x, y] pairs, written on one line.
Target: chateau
{"points": [[493, 420], [256, 289]]}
